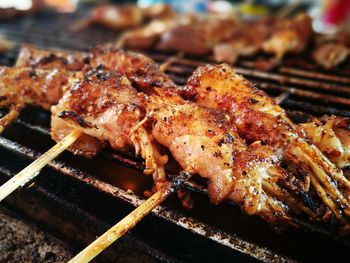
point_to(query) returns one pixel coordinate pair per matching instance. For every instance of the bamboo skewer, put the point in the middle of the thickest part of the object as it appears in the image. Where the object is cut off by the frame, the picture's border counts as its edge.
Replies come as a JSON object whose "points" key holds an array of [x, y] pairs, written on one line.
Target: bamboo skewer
{"points": [[33, 169], [129, 221]]}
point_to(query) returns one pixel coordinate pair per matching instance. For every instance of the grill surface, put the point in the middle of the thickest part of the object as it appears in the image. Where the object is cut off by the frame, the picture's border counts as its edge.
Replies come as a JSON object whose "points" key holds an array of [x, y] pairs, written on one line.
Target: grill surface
{"points": [[93, 193]]}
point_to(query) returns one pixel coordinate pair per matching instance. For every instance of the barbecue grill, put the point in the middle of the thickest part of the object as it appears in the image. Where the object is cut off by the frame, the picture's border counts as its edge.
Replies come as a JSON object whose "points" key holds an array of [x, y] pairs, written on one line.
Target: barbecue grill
{"points": [[79, 199]]}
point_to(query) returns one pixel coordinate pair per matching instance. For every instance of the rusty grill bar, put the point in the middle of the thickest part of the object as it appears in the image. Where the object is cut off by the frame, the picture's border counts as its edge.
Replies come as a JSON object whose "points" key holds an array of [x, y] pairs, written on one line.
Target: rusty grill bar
{"points": [[302, 88]]}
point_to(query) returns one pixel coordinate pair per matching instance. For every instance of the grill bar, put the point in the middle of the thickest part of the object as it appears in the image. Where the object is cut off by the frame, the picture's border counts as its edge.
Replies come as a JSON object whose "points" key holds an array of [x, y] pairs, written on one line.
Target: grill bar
{"points": [[168, 214]]}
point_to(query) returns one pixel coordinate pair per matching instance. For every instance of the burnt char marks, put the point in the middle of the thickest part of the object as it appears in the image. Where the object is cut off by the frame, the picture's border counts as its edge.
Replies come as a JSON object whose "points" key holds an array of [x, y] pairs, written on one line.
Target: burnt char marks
{"points": [[67, 114], [141, 70]]}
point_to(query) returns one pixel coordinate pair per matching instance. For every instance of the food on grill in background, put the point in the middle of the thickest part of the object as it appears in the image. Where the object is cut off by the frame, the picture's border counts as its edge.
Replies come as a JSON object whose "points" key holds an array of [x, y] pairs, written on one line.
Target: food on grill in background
{"points": [[117, 17], [147, 36], [5, 45], [330, 55], [246, 40], [332, 50], [223, 36], [259, 118], [126, 16], [198, 37], [289, 36]]}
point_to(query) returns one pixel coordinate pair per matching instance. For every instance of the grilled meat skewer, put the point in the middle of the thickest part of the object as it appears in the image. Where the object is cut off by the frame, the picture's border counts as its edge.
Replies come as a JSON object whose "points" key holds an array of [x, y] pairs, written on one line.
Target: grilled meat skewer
{"points": [[112, 111], [146, 74]]}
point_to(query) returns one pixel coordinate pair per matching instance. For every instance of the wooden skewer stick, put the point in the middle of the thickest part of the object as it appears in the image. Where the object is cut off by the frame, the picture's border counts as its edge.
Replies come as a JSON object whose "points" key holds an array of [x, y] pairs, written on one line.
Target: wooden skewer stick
{"points": [[32, 170], [129, 221]]}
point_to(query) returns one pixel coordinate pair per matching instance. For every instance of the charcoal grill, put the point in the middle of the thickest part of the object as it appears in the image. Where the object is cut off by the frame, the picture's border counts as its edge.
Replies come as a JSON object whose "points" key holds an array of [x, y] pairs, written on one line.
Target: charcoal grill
{"points": [[79, 199]]}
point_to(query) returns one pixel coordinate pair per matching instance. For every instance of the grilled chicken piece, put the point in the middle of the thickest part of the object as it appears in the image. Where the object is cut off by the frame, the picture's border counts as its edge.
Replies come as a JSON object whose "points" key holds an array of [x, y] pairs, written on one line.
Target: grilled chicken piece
{"points": [[51, 59], [20, 86], [331, 135], [289, 36], [330, 55], [259, 118]]}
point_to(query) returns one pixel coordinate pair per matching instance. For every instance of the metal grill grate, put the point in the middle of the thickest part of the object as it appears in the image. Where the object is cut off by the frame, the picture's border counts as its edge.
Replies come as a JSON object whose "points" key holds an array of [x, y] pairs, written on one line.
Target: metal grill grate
{"points": [[205, 233]]}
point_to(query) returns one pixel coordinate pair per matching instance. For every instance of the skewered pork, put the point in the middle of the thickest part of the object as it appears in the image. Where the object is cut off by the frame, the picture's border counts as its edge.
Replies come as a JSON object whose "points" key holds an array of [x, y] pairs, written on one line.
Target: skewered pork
{"points": [[105, 106]]}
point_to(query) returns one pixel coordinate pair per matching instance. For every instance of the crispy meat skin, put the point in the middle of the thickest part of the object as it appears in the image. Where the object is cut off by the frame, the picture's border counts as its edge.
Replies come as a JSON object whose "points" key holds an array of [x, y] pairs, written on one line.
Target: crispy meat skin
{"points": [[140, 69], [103, 105], [48, 59], [34, 86], [256, 115]]}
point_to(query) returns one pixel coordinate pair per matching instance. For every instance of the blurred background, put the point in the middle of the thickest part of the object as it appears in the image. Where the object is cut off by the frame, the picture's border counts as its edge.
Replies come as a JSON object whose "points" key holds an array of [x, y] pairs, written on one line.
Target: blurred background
{"points": [[327, 15]]}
